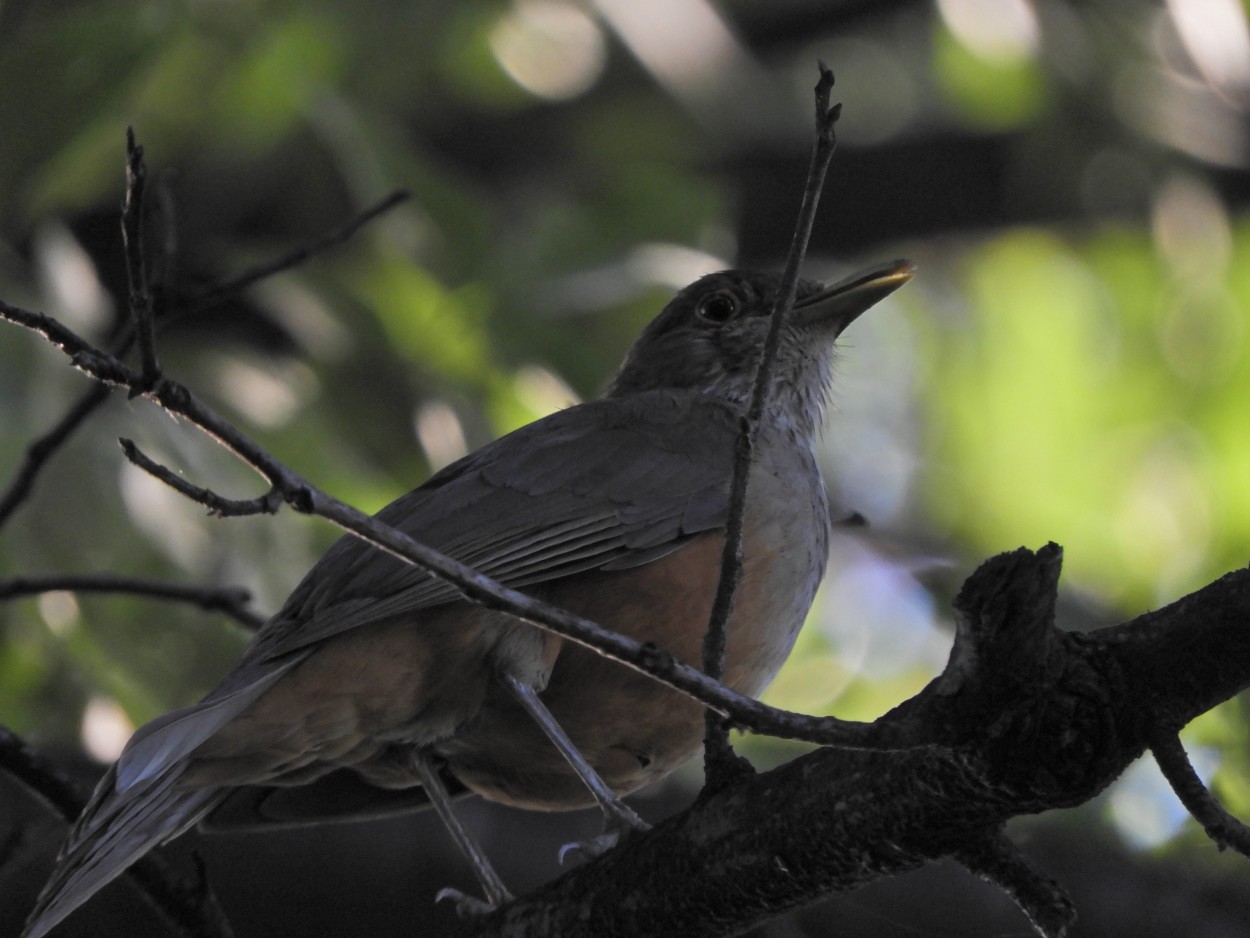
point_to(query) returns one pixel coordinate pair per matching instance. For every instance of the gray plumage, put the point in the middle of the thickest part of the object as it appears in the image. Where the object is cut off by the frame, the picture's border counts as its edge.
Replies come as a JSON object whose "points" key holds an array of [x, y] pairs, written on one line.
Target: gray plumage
{"points": [[614, 485]]}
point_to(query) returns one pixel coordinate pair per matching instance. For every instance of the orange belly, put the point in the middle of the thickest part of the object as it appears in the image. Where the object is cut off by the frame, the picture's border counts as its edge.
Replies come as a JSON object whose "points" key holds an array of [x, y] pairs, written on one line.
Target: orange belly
{"points": [[429, 681], [631, 729]]}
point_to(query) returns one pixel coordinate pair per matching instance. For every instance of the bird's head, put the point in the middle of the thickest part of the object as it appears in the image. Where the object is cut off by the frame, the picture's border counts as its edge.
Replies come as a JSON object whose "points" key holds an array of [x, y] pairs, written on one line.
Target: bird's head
{"points": [[710, 337]]}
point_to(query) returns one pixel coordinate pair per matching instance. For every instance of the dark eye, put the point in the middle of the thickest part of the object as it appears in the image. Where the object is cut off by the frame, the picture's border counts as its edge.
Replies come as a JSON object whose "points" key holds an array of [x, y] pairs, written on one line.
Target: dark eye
{"points": [[717, 307]]}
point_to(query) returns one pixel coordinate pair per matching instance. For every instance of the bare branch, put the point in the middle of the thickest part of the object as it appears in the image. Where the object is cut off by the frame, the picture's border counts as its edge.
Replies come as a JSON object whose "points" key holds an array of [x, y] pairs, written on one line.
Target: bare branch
{"points": [[43, 448], [1026, 718], [232, 600], [1224, 829], [718, 764], [266, 504], [218, 293]]}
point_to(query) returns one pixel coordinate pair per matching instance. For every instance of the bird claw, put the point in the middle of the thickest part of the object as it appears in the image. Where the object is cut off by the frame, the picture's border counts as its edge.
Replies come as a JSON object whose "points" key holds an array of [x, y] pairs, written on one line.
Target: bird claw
{"points": [[592, 848], [468, 907], [613, 832]]}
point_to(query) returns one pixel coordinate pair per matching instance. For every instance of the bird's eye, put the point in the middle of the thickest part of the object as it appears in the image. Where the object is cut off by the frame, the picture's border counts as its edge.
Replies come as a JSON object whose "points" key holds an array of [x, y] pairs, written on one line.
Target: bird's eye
{"points": [[717, 307]]}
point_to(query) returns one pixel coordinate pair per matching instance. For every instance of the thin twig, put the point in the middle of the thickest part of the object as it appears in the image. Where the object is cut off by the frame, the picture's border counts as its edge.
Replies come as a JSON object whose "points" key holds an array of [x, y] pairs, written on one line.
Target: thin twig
{"points": [[42, 449], [214, 295], [192, 908], [1224, 829], [140, 297], [266, 504], [304, 497], [719, 764], [231, 600]]}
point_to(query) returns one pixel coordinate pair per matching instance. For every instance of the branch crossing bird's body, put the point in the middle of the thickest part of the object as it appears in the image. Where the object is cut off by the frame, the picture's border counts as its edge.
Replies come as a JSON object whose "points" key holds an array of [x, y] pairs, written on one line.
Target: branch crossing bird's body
{"points": [[614, 509]]}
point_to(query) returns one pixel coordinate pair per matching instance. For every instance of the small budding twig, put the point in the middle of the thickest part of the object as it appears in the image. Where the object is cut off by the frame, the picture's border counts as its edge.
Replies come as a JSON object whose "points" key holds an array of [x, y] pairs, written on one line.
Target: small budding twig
{"points": [[719, 761]]}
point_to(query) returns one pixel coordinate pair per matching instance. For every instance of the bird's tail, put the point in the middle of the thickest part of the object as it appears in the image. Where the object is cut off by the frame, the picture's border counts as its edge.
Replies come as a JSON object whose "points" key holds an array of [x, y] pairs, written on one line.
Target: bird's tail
{"points": [[116, 829], [139, 803]]}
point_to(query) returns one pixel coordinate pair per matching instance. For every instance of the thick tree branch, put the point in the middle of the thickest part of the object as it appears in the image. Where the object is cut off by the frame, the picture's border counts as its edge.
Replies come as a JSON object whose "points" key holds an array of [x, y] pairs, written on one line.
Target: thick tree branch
{"points": [[1030, 718]]}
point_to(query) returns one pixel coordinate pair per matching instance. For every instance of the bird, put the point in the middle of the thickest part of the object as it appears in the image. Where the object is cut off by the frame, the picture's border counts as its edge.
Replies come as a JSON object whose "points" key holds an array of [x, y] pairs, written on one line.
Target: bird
{"points": [[614, 509]]}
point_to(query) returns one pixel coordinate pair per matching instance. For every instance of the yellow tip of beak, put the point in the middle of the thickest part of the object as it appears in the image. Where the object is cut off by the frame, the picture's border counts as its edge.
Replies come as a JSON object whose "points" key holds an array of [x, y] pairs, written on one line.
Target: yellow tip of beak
{"points": [[841, 303]]}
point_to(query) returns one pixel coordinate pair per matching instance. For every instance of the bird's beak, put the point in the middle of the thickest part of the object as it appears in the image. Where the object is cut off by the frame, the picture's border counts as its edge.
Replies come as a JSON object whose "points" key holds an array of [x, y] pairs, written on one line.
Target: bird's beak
{"points": [[837, 306]]}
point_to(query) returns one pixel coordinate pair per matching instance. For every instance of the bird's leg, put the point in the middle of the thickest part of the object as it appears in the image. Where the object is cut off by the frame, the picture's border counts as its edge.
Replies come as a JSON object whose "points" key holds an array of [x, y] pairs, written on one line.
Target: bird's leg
{"points": [[496, 893], [619, 818]]}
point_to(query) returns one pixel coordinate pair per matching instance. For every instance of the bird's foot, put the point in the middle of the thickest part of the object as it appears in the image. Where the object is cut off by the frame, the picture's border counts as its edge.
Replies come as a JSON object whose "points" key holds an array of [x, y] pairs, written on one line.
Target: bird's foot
{"points": [[591, 848], [616, 825], [470, 907]]}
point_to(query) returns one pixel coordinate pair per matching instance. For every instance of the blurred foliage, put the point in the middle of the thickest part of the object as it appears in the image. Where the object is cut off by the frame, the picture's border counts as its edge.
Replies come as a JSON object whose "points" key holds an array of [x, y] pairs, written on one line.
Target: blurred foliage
{"points": [[1071, 364]]}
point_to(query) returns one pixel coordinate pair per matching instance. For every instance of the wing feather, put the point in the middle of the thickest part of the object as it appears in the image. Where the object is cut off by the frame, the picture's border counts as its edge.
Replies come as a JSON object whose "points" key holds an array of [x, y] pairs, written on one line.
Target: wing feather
{"points": [[609, 484]]}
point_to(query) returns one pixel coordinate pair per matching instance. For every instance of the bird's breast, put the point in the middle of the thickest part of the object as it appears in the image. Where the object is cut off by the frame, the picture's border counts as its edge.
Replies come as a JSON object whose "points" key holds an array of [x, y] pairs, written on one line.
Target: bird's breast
{"points": [[632, 729]]}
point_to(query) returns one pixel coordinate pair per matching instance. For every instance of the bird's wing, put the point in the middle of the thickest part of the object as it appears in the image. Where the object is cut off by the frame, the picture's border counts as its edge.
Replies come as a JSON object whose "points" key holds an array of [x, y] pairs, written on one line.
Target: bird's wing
{"points": [[605, 485], [609, 484]]}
